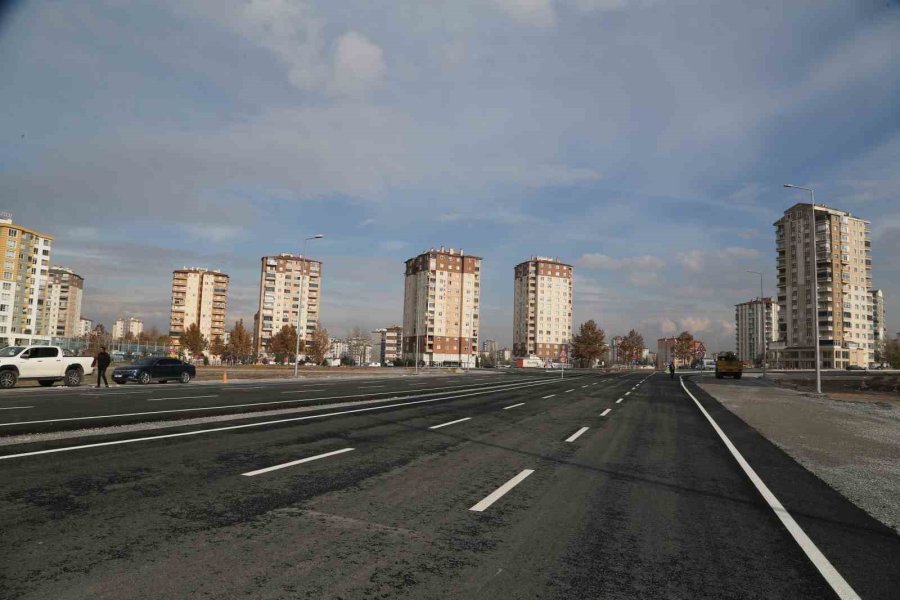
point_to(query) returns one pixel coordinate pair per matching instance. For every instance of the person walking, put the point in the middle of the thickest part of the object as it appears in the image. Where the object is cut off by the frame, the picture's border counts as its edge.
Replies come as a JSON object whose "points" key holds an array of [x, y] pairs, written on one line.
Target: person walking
{"points": [[672, 370], [103, 359]]}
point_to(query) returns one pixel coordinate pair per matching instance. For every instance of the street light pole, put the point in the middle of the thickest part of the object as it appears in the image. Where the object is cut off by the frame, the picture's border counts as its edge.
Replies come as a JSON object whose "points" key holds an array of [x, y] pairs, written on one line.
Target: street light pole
{"points": [[318, 236], [765, 339], [815, 283]]}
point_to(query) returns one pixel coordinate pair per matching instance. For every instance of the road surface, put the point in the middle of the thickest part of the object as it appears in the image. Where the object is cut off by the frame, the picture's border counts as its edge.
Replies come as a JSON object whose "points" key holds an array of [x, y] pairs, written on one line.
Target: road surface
{"points": [[510, 486]]}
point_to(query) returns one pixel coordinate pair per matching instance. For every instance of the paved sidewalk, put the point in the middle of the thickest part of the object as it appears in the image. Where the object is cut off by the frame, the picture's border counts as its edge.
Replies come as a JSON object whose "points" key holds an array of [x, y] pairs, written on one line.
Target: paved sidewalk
{"points": [[853, 446]]}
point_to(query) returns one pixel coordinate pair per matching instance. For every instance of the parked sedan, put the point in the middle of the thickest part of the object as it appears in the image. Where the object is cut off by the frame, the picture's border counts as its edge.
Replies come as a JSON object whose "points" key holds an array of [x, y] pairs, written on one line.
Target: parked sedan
{"points": [[155, 369]]}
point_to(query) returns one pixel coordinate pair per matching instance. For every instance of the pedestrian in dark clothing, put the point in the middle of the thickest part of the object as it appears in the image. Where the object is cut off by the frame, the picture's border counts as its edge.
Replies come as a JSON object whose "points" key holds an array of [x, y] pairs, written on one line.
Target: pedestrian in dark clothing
{"points": [[672, 370], [102, 361]]}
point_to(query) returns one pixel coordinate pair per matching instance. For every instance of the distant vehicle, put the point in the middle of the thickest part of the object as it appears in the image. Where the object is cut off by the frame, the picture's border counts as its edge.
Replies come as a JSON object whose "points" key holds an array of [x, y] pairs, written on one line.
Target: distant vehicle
{"points": [[46, 364], [155, 368], [729, 365], [856, 368], [708, 364]]}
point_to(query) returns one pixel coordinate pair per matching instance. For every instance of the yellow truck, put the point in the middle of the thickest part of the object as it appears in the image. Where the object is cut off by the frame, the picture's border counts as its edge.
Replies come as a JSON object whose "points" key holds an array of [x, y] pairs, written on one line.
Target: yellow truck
{"points": [[729, 365]]}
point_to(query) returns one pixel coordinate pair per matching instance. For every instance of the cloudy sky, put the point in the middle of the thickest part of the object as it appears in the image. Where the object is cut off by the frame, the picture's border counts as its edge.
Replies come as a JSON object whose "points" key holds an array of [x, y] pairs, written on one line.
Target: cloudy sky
{"points": [[644, 141]]}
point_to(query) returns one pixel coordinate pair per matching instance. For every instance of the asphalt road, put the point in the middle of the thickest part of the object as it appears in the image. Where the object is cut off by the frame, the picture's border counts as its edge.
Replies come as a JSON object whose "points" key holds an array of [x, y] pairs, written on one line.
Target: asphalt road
{"points": [[503, 487]]}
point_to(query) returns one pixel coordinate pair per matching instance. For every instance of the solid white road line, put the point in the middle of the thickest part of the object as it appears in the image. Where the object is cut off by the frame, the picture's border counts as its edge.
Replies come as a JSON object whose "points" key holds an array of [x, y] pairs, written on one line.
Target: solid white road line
{"points": [[834, 579], [182, 398], [258, 424], [14, 407], [619, 401], [606, 412], [449, 423], [577, 434], [116, 393], [501, 491], [367, 387], [295, 462], [550, 396], [496, 388], [513, 406]]}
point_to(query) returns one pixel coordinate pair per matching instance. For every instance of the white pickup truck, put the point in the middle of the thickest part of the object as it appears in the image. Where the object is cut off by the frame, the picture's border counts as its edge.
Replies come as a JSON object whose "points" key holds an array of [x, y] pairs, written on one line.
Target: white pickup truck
{"points": [[46, 364]]}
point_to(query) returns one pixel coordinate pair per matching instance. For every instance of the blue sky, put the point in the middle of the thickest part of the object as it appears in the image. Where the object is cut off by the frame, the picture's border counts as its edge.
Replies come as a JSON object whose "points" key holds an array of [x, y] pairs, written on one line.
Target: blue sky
{"points": [[643, 141]]}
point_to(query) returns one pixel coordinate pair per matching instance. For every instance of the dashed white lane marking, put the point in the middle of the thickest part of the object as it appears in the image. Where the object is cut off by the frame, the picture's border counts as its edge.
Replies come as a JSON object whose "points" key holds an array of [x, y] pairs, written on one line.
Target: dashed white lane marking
{"points": [[295, 462], [311, 390], [584, 386], [116, 393], [567, 391], [368, 387], [501, 491], [619, 401], [182, 398], [577, 434], [831, 575], [513, 406], [606, 412], [14, 407], [627, 393], [449, 423], [550, 396]]}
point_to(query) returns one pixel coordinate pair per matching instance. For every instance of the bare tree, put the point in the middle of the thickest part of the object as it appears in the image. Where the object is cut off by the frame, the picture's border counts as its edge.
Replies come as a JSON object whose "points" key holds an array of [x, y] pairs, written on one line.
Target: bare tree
{"points": [[684, 347], [317, 348], [357, 342]]}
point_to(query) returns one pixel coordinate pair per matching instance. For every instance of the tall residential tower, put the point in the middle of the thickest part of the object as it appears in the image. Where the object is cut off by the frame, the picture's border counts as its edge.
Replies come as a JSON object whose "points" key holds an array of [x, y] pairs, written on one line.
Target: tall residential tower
{"points": [[441, 307], [62, 306], [26, 266], [198, 296], [842, 313], [756, 327], [542, 308], [290, 288]]}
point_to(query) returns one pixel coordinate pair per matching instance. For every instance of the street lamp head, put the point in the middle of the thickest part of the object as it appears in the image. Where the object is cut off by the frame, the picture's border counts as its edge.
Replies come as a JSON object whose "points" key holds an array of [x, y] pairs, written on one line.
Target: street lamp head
{"points": [[318, 236]]}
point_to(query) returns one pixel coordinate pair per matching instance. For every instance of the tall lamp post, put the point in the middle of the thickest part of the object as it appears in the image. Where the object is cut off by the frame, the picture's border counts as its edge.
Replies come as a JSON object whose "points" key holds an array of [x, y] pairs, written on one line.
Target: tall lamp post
{"points": [[815, 282], [318, 236], [765, 339]]}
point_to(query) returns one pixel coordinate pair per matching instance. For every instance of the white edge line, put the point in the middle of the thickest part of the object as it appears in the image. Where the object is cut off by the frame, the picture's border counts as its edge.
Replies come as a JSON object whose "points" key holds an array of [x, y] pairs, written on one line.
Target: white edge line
{"points": [[14, 407], [295, 462], [577, 434], [182, 398], [450, 423], [606, 412], [258, 424], [831, 575], [513, 406], [501, 491]]}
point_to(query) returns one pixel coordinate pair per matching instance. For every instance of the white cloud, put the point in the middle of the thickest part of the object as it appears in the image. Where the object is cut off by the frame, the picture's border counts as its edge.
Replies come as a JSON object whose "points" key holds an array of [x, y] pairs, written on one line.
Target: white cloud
{"points": [[740, 252], [358, 64], [602, 261], [536, 13], [692, 260], [695, 325], [213, 232]]}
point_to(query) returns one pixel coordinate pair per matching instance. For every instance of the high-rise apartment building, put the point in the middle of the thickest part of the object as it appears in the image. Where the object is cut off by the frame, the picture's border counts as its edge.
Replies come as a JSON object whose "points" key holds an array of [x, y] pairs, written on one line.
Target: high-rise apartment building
{"points": [[289, 294], [879, 326], [26, 266], [441, 305], [841, 316], [756, 327], [62, 304], [198, 296], [85, 326], [542, 308], [389, 344], [131, 325]]}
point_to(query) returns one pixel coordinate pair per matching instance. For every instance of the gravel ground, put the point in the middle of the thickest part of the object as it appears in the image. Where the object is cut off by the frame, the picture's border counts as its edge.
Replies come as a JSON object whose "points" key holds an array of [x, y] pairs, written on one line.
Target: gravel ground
{"points": [[854, 446]]}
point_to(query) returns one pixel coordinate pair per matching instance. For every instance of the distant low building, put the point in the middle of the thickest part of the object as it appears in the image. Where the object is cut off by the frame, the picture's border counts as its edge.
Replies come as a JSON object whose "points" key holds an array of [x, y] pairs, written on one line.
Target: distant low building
{"points": [[388, 345], [131, 325]]}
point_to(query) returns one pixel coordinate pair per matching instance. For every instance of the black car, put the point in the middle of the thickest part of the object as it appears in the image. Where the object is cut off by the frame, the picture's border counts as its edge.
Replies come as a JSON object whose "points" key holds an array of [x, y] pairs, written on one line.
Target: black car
{"points": [[155, 368]]}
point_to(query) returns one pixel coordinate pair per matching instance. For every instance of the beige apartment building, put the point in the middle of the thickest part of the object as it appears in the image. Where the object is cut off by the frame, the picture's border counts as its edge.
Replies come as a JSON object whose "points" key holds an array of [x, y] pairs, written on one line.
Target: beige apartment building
{"points": [[62, 304], [290, 289], [389, 344], [26, 271], [441, 305], [756, 327], [842, 313], [131, 325], [542, 308], [879, 326], [198, 296]]}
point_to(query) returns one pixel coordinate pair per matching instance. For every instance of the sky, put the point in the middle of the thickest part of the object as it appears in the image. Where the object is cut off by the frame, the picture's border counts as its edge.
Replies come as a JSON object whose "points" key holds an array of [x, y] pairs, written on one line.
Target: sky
{"points": [[645, 142]]}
